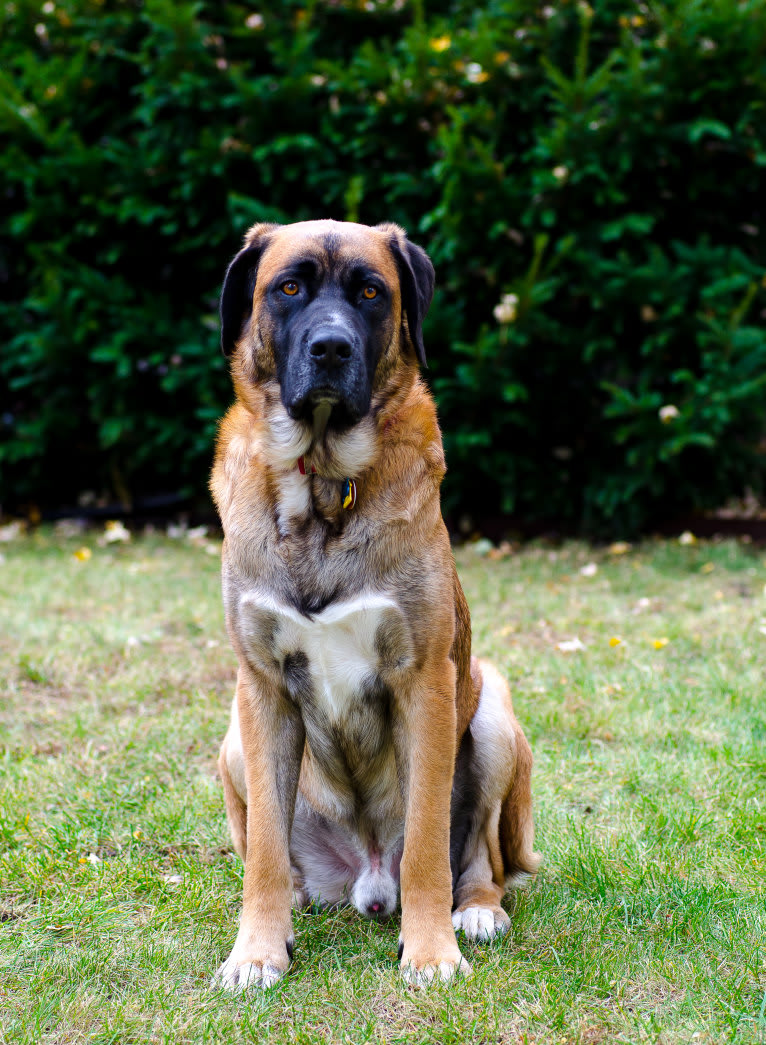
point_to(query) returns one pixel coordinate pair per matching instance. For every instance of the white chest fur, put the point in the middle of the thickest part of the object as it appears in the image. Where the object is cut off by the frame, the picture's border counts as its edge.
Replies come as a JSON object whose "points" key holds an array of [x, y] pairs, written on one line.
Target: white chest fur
{"points": [[346, 646]]}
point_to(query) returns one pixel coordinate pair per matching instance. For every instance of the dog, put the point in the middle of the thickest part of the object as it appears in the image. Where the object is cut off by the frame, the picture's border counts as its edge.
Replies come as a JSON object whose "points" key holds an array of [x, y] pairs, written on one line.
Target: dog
{"points": [[368, 755]]}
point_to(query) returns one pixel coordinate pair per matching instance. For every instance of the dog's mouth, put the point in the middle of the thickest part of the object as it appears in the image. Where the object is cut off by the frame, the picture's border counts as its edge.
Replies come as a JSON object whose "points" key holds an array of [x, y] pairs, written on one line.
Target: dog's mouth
{"points": [[323, 408]]}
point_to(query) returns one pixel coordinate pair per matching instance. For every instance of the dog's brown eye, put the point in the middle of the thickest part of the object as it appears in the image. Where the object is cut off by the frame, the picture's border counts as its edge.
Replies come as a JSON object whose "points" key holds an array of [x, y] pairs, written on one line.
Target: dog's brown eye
{"points": [[290, 288], [369, 293]]}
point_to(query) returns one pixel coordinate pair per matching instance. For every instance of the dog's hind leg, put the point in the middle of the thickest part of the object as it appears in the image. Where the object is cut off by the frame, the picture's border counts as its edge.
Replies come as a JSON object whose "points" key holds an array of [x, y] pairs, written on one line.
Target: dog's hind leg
{"points": [[492, 827]]}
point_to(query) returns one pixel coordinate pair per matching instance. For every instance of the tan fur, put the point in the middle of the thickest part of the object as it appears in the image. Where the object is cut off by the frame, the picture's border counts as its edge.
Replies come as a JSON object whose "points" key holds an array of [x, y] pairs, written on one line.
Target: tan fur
{"points": [[287, 532]]}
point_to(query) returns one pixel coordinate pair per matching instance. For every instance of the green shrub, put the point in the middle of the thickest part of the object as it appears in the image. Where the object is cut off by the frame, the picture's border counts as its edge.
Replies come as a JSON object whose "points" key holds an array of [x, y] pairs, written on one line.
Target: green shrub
{"points": [[601, 169]]}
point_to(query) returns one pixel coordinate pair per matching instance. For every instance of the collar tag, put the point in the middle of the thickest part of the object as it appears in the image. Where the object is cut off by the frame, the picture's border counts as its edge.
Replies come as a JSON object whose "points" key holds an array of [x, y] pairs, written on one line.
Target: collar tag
{"points": [[349, 494]]}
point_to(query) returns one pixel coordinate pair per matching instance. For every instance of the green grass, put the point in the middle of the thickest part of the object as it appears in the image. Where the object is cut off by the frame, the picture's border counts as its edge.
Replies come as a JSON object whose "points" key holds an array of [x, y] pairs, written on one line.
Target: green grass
{"points": [[119, 893]]}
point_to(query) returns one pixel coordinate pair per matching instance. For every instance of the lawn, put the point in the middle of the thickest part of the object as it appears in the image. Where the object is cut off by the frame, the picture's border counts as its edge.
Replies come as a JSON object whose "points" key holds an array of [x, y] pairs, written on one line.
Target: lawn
{"points": [[119, 891]]}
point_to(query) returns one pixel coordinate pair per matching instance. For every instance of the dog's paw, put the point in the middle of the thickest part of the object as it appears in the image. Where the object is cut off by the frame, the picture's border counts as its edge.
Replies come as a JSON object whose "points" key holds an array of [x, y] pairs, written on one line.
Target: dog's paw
{"points": [[431, 971], [419, 969], [237, 973], [481, 923]]}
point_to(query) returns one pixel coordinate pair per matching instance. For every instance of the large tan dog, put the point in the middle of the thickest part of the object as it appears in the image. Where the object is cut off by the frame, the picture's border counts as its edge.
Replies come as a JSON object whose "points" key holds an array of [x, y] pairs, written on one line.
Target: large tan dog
{"points": [[367, 748]]}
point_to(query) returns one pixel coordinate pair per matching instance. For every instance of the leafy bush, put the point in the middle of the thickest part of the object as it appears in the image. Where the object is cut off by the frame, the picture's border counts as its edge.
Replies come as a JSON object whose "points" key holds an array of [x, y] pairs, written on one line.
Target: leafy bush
{"points": [[587, 180]]}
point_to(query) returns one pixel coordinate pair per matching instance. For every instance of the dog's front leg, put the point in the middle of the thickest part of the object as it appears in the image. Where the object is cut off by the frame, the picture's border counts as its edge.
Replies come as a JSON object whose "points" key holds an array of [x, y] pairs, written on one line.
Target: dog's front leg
{"points": [[425, 741], [272, 744]]}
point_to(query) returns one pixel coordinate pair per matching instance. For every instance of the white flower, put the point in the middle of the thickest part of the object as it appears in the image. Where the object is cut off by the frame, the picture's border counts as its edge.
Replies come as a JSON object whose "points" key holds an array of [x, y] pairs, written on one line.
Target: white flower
{"points": [[669, 413], [506, 311], [560, 173], [254, 21], [589, 570], [687, 537], [475, 74]]}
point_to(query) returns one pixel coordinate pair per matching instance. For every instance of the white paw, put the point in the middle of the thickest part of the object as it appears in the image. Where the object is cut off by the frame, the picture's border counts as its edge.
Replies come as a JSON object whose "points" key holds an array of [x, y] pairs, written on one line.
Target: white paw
{"points": [[238, 977], [481, 923], [443, 971]]}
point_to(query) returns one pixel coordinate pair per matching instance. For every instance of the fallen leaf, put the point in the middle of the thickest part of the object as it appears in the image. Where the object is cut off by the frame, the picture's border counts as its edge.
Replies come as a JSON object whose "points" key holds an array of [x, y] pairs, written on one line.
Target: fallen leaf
{"points": [[11, 531], [115, 531], [482, 547], [570, 645]]}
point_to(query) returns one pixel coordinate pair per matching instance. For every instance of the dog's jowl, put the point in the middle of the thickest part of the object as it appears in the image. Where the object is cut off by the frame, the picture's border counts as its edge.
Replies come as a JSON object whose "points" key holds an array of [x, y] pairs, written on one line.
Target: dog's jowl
{"points": [[369, 755]]}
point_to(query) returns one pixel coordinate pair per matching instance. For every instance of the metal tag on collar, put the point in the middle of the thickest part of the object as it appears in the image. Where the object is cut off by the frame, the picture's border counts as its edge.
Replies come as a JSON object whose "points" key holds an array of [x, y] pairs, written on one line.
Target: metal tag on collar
{"points": [[349, 494]]}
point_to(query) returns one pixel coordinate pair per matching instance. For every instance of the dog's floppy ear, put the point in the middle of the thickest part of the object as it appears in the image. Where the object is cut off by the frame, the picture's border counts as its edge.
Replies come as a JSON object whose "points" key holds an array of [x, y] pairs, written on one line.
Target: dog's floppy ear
{"points": [[416, 277], [239, 284]]}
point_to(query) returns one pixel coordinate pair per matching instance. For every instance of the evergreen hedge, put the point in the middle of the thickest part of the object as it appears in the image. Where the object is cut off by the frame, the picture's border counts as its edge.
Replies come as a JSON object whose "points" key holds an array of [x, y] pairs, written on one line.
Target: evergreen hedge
{"points": [[589, 182]]}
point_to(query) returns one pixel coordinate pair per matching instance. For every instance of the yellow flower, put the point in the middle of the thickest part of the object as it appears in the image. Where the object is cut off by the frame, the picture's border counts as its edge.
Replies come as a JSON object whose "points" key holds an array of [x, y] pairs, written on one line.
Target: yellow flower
{"points": [[615, 640], [707, 567], [83, 554], [660, 643], [440, 43]]}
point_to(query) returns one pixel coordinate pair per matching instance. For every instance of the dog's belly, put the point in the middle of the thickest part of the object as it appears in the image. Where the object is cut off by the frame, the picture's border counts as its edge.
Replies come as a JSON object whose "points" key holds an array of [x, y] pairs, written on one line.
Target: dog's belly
{"points": [[339, 667]]}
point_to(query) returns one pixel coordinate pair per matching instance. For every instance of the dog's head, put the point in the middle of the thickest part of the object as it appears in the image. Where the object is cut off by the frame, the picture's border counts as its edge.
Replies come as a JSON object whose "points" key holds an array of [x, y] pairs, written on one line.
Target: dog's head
{"points": [[328, 310]]}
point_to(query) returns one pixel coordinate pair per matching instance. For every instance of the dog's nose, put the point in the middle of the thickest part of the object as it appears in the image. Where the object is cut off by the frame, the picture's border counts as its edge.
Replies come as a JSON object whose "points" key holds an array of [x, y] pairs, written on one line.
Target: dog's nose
{"points": [[332, 350]]}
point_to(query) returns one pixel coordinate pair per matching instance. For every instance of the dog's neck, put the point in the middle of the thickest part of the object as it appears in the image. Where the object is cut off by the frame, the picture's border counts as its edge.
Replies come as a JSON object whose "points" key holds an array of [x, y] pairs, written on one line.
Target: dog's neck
{"points": [[324, 451]]}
